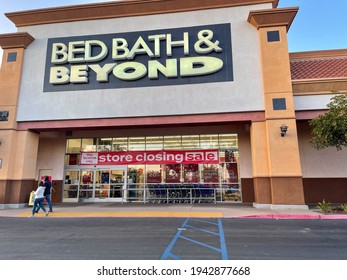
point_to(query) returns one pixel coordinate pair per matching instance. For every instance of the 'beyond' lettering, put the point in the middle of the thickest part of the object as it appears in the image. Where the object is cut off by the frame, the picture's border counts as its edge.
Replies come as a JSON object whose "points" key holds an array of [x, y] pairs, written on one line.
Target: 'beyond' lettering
{"points": [[150, 58]]}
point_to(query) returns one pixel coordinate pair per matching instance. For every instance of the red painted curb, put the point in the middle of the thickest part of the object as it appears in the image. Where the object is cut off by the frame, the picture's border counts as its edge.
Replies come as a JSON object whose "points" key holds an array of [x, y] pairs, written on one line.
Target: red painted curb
{"points": [[292, 216], [333, 217]]}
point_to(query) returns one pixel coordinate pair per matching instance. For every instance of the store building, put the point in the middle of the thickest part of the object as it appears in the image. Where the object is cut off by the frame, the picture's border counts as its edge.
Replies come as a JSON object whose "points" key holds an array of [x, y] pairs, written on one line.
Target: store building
{"points": [[166, 101]]}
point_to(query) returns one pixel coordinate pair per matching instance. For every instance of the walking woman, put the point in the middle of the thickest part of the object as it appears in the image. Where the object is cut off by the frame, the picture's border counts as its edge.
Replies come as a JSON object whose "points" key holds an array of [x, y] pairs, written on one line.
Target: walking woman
{"points": [[39, 197]]}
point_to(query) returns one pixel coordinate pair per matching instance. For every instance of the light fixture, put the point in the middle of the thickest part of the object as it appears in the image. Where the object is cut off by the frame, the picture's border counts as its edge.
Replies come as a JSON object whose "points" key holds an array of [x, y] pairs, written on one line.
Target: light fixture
{"points": [[284, 129]]}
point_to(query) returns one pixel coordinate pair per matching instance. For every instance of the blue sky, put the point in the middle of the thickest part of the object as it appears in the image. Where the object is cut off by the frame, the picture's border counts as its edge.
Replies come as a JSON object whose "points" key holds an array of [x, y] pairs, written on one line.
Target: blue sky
{"points": [[319, 24]]}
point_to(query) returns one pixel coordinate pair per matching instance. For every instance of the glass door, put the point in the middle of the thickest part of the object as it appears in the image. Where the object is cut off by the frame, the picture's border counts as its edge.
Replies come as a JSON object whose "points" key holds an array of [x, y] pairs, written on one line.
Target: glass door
{"points": [[96, 184], [109, 184], [102, 184], [71, 184], [118, 176], [86, 190]]}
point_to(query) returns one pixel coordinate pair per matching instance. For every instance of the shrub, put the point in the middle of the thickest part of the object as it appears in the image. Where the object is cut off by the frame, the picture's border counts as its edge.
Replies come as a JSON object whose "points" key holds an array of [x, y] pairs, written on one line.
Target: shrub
{"points": [[344, 207], [324, 206]]}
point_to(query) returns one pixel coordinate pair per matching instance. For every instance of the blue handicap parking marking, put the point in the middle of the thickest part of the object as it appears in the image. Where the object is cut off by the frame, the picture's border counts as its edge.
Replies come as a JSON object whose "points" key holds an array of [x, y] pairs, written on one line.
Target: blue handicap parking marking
{"points": [[167, 252], [190, 231]]}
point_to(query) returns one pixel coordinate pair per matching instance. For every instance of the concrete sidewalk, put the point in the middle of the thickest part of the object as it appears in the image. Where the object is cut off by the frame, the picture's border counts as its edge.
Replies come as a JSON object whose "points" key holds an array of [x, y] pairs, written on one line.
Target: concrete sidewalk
{"points": [[83, 210]]}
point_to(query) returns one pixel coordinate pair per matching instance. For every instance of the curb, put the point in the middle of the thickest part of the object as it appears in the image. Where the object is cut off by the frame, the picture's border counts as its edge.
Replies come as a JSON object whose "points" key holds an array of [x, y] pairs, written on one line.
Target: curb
{"points": [[293, 217], [128, 214]]}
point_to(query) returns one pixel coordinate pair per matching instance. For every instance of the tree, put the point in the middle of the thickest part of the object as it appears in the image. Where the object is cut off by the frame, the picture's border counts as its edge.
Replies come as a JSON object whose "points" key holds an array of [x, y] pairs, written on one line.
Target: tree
{"points": [[330, 129]]}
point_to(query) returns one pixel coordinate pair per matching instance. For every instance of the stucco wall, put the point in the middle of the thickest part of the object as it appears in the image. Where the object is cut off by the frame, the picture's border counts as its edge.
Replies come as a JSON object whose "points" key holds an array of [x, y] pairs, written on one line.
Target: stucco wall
{"points": [[312, 102], [51, 154], [326, 163], [233, 96]]}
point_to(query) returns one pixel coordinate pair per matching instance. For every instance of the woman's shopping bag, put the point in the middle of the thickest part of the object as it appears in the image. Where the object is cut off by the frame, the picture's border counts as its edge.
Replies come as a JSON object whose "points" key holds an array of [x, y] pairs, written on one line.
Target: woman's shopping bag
{"points": [[31, 199]]}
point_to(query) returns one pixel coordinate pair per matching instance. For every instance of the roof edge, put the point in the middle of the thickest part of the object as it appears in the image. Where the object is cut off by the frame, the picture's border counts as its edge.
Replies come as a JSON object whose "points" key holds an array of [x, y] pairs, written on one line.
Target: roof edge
{"points": [[319, 80], [123, 8], [318, 54]]}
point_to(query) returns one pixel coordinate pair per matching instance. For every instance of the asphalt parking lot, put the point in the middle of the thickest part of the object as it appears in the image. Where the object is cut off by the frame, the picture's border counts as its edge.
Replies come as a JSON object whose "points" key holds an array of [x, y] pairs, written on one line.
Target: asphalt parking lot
{"points": [[171, 238]]}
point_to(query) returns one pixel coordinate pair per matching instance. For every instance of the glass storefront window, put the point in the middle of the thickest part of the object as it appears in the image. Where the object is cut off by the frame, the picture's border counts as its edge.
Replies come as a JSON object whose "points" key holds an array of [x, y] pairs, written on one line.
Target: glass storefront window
{"points": [[136, 182], [137, 143], [136, 174], [191, 173], [172, 173], [210, 173], [228, 155], [209, 141], [88, 145], [230, 188], [229, 173], [228, 141], [104, 144], [73, 146], [190, 142], [120, 144], [154, 143], [72, 159], [153, 174], [172, 142], [188, 182]]}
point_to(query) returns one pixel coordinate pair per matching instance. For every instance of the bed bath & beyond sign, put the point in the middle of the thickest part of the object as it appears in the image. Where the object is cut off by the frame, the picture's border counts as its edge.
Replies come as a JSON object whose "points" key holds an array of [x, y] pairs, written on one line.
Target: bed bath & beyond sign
{"points": [[110, 60]]}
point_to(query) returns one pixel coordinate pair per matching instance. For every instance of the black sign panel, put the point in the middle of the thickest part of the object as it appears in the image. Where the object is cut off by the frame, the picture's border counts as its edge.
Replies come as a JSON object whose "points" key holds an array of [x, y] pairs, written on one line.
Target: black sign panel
{"points": [[191, 55]]}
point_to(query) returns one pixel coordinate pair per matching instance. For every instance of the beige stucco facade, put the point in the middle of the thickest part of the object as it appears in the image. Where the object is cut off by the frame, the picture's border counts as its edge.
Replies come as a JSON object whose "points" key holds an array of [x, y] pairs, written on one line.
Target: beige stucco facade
{"points": [[273, 170]]}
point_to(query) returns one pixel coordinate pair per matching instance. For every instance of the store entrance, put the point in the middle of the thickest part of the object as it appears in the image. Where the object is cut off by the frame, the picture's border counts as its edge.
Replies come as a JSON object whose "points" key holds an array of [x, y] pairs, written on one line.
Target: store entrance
{"points": [[98, 184], [103, 184]]}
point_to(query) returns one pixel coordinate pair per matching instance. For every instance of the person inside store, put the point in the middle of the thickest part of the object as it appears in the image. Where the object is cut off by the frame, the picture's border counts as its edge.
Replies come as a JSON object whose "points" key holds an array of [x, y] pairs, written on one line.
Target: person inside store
{"points": [[39, 197]]}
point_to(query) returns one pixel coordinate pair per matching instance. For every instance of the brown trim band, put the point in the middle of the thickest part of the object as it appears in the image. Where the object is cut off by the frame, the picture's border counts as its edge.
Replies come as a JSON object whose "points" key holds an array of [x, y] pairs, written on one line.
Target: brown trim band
{"points": [[142, 121], [273, 17], [318, 54], [333, 190], [308, 115], [15, 40], [319, 80], [319, 86], [16, 191], [115, 9]]}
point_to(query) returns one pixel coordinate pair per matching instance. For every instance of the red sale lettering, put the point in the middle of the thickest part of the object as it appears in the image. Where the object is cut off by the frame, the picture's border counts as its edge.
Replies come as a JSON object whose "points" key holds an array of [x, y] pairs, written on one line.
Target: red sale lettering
{"points": [[151, 157]]}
